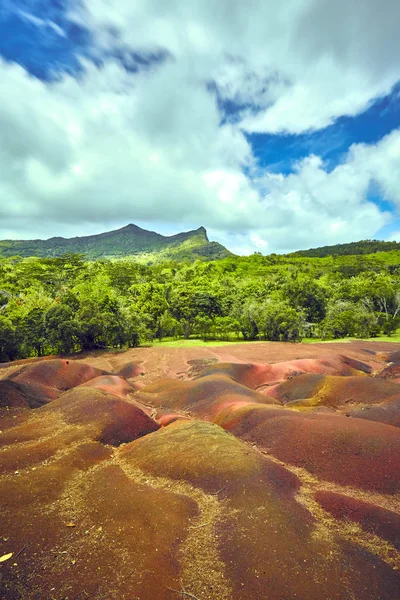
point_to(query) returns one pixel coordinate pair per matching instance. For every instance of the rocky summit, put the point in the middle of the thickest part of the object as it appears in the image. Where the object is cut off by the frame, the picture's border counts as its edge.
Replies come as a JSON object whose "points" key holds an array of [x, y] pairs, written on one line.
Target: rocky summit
{"points": [[239, 472], [127, 241]]}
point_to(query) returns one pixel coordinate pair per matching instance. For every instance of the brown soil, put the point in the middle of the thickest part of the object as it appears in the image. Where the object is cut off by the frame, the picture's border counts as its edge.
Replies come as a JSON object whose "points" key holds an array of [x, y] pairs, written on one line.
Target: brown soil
{"points": [[226, 473]]}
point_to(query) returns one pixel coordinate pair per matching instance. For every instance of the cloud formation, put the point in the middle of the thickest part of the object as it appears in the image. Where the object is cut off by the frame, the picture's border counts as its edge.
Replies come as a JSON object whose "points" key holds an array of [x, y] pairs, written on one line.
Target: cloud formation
{"points": [[86, 153], [42, 23], [304, 63]]}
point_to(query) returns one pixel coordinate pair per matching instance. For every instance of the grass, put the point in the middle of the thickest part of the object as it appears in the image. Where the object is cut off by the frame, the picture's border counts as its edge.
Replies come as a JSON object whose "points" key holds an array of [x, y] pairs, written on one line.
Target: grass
{"points": [[182, 343], [395, 337], [336, 341]]}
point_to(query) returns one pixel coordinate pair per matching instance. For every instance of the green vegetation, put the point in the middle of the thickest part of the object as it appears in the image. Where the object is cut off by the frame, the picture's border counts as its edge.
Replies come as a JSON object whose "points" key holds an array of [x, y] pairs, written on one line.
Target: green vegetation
{"points": [[379, 338], [146, 246], [193, 342], [353, 248], [66, 304]]}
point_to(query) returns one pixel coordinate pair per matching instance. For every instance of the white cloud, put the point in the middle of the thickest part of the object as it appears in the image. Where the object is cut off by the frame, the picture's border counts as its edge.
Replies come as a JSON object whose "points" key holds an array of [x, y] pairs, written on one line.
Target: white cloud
{"points": [[42, 23], [112, 147], [79, 156], [303, 62], [313, 206]]}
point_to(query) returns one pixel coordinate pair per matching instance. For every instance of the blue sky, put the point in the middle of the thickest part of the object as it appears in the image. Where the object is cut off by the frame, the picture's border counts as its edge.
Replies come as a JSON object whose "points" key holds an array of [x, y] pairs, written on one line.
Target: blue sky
{"points": [[281, 151], [186, 117], [45, 48]]}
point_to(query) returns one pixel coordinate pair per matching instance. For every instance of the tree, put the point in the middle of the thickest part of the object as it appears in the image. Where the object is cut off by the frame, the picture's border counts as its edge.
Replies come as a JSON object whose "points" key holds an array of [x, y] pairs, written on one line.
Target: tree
{"points": [[61, 328], [33, 331], [245, 313], [183, 307], [150, 303], [203, 325], [8, 344], [277, 320], [347, 319], [305, 293], [223, 327], [92, 324], [168, 326]]}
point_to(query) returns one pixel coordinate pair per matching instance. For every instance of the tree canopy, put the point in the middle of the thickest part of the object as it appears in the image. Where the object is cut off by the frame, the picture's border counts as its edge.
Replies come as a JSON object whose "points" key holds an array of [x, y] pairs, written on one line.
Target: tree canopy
{"points": [[67, 304]]}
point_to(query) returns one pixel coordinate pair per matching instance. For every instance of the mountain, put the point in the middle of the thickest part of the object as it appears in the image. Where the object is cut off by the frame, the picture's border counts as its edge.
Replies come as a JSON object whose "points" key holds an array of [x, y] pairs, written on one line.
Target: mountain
{"points": [[127, 241], [362, 247]]}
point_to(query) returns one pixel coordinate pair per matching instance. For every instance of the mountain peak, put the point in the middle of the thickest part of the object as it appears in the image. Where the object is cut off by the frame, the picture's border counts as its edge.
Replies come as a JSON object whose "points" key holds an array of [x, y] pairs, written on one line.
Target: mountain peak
{"points": [[203, 231], [129, 240]]}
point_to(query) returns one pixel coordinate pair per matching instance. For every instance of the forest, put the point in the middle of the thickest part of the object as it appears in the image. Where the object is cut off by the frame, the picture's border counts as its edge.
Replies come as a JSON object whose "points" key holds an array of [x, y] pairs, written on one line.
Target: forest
{"points": [[361, 247], [68, 304]]}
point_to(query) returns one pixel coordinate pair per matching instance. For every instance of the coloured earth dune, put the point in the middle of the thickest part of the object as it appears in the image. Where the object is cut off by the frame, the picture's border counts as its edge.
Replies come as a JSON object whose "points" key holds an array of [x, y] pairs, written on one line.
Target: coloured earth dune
{"points": [[241, 472]]}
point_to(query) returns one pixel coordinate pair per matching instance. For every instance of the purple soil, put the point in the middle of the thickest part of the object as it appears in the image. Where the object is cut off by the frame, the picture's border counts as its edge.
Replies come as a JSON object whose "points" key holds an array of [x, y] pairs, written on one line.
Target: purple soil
{"points": [[335, 391], [15, 394], [374, 519], [129, 370], [106, 417], [108, 498], [386, 412], [204, 396], [113, 384], [255, 376], [59, 374], [346, 451]]}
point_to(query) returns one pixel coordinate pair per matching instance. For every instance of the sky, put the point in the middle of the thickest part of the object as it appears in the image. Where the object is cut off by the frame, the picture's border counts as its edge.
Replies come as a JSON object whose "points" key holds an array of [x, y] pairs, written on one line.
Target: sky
{"points": [[275, 125]]}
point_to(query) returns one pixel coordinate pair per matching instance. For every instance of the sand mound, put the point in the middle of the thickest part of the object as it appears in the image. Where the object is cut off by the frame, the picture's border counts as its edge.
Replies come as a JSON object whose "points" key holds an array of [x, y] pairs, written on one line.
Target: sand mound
{"points": [[198, 485], [257, 375], [352, 452], [15, 394], [205, 396], [334, 391], [390, 372], [39, 382], [128, 370], [386, 412], [374, 519], [251, 524], [111, 383], [60, 374], [104, 416], [389, 357]]}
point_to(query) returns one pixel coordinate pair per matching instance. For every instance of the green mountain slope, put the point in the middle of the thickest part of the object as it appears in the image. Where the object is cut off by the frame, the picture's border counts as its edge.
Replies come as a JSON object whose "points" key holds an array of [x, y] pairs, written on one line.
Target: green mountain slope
{"points": [[127, 241], [353, 248]]}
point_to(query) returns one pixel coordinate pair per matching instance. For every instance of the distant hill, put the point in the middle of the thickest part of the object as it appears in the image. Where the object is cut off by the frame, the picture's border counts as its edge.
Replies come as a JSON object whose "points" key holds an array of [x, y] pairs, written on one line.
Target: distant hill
{"points": [[127, 241], [362, 247]]}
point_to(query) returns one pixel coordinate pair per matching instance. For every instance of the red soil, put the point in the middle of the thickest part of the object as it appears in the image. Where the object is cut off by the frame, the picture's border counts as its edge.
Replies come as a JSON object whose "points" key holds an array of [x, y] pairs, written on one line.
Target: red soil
{"points": [[108, 498], [205, 396], [346, 451], [42, 382], [391, 372], [15, 394], [105, 417], [386, 412], [113, 384], [129, 370], [334, 391], [266, 540], [379, 521], [162, 362], [59, 373], [255, 376], [165, 417]]}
